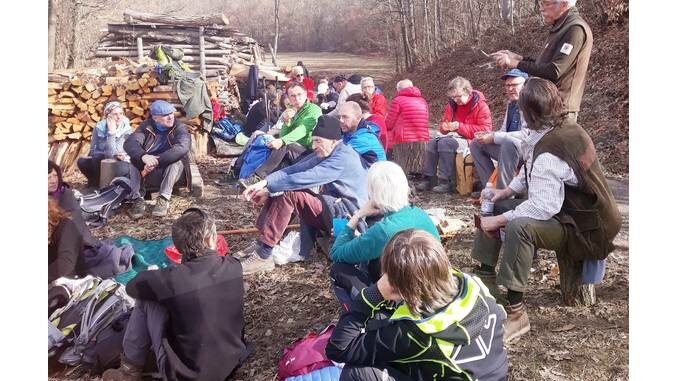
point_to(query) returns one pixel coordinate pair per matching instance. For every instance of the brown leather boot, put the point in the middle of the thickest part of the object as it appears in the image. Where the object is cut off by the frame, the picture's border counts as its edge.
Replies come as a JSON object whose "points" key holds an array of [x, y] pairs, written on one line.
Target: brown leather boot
{"points": [[126, 372], [517, 323]]}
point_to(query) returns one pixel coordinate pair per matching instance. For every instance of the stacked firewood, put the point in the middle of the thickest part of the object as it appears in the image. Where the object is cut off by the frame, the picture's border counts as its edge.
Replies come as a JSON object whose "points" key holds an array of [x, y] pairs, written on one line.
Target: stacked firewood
{"points": [[76, 99], [208, 43]]}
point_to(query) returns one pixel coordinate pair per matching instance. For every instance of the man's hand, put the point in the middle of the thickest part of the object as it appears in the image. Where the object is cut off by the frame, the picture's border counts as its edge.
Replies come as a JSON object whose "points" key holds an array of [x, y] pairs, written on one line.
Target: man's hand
{"points": [[251, 190], [453, 126], [324, 105], [258, 132], [288, 114], [150, 160], [492, 223], [445, 126], [484, 137], [506, 59], [120, 156], [502, 194], [260, 197], [387, 290], [275, 144]]}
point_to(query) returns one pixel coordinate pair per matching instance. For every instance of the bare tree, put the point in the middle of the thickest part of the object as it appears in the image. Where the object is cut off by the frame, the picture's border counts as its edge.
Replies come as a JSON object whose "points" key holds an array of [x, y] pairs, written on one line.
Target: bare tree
{"points": [[274, 53]]}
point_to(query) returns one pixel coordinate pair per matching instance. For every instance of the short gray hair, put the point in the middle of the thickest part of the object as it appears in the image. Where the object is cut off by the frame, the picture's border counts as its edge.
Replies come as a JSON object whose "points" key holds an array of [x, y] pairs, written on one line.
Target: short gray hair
{"points": [[571, 3], [460, 83], [387, 186], [365, 80], [405, 83], [298, 70], [190, 231]]}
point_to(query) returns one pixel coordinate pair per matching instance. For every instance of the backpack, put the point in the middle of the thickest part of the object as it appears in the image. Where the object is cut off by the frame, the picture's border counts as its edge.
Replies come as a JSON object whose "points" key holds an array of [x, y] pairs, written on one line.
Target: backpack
{"points": [[255, 155], [93, 325], [99, 206], [225, 129], [305, 355]]}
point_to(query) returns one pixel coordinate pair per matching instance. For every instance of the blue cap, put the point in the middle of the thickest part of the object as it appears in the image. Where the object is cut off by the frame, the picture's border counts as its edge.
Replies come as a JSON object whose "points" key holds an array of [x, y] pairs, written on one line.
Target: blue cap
{"points": [[161, 108], [514, 73]]}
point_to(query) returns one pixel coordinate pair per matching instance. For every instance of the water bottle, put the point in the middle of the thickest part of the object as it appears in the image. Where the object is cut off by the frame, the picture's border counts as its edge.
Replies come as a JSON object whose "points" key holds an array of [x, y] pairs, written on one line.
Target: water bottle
{"points": [[486, 203]]}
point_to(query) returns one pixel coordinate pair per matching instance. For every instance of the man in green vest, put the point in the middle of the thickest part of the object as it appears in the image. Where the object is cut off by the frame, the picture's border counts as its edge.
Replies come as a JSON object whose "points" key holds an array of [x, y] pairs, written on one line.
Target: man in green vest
{"points": [[565, 58], [569, 208]]}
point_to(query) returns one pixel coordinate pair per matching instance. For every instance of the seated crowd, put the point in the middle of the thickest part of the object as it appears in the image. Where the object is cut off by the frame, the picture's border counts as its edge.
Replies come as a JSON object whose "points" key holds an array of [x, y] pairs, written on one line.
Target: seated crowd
{"points": [[341, 153]]}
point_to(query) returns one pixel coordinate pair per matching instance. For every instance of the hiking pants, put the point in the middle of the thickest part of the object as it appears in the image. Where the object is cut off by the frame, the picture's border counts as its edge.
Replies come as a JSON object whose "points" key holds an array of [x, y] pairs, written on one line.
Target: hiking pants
{"points": [[347, 281], [277, 213], [164, 179], [145, 330], [505, 153], [522, 236], [441, 153], [368, 373], [90, 166], [279, 158]]}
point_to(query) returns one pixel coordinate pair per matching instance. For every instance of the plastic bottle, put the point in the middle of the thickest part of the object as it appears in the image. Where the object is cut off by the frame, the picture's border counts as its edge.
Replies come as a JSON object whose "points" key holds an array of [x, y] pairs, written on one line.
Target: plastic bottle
{"points": [[486, 203]]}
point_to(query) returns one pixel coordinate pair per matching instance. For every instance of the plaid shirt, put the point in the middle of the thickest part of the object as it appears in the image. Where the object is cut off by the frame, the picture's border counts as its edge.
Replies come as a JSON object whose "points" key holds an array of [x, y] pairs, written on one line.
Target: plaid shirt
{"points": [[545, 185]]}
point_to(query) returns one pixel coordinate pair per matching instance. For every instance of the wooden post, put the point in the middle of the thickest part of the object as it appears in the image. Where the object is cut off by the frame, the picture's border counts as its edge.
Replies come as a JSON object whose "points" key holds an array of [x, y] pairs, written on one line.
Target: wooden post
{"points": [[107, 172], [571, 287], [203, 70], [140, 48]]}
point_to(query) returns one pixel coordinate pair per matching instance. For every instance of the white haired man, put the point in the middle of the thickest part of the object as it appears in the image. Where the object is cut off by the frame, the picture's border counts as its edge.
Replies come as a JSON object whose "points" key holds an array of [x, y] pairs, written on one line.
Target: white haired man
{"points": [[377, 99], [565, 57], [298, 76], [502, 145]]}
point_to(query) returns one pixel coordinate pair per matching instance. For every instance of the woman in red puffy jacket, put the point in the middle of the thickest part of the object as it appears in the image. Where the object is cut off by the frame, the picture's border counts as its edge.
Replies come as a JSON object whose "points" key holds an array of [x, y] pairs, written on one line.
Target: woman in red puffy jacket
{"points": [[465, 114], [407, 126]]}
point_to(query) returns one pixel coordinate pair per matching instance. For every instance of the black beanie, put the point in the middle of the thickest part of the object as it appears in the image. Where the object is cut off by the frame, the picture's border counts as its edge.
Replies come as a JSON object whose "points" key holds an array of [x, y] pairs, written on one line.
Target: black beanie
{"points": [[328, 128]]}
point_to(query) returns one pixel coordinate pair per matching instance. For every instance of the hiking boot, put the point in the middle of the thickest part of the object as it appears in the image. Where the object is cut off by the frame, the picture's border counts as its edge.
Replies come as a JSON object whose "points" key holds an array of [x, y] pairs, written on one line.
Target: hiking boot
{"points": [[138, 208], [126, 372], [490, 281], [425, 185], [254, 264], [443, 187], [161, 207], [229, 178], [517, 323], [244, 253]]}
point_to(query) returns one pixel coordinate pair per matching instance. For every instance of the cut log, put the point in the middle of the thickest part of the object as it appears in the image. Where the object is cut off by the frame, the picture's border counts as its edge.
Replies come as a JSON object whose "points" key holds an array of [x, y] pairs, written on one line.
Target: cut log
{"points": [[154, 96], [131, 17], [75, 81], [66, 94], [116, 81], [138, 111], [89, 86], [107, 90], [85, 95]]}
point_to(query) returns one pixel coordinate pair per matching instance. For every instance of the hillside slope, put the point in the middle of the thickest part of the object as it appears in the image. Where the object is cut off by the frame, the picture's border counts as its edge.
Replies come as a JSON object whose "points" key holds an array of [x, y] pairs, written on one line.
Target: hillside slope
{"points": [[605, 107]]}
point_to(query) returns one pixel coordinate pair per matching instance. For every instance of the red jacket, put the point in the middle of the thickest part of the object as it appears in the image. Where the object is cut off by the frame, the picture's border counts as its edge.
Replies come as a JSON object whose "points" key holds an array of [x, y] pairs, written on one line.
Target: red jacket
{"points": [[407, 118], [378, 104], [308, 84], [381, 123], [473, 117]]}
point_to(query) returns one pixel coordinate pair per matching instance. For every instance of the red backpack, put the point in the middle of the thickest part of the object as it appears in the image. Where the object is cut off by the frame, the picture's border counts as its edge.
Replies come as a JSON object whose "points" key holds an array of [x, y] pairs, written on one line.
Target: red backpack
{"points": [[305, 355]]}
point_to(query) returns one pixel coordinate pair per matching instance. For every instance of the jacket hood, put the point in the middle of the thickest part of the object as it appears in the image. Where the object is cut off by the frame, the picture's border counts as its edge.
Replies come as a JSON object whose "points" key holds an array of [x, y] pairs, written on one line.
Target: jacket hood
{"points": [[410, 92]]}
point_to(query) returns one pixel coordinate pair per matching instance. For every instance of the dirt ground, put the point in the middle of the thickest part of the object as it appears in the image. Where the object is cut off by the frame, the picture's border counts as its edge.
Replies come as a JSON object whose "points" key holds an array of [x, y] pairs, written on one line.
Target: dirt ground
{"points": [[565, 343]]}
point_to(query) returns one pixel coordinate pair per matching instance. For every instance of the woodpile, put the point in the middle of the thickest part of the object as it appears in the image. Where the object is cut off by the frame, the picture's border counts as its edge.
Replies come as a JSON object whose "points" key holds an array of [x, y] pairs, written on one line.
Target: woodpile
{"points": [[209, 44], [76, 99]]}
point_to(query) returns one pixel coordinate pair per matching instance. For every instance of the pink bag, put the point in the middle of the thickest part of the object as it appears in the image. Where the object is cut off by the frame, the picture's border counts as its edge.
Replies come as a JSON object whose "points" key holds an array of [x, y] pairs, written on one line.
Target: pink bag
{"points": [[305, 355]]}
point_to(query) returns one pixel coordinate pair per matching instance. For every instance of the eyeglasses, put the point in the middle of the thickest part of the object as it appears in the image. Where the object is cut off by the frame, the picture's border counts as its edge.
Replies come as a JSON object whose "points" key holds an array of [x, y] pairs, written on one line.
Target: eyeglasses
{"points": [[298, 75], [512, 85]]}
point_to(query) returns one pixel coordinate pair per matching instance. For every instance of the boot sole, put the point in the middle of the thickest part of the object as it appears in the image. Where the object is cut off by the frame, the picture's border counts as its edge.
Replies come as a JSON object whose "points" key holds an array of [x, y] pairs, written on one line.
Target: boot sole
{"points": [[518, 334]]}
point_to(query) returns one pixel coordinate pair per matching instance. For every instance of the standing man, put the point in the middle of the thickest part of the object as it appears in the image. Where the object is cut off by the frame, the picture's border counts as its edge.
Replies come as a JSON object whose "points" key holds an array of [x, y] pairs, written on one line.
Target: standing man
{"points": [[502, 145], [159, 149], [565, 58]]}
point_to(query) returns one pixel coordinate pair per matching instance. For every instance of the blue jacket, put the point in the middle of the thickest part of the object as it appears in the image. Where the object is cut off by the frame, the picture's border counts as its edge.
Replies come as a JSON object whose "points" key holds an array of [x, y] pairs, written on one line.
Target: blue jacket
{"points": [[109, 145], [365, 140], [341, 175]]}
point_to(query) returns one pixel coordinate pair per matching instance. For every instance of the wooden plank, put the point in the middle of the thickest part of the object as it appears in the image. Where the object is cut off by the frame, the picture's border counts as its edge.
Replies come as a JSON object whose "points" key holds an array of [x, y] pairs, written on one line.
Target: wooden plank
{"points": [[154, 96]]}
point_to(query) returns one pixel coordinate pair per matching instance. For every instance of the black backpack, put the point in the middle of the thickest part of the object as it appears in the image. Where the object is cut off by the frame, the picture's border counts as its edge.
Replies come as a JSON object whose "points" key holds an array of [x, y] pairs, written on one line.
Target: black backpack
{"points": [[99, 206], [93, 325]]}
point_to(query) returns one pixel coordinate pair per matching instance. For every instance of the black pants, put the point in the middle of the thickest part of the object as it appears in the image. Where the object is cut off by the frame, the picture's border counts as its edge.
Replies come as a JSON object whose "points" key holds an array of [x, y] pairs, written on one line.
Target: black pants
{"points": [[90, 166], [280, 158], [347, 281]]}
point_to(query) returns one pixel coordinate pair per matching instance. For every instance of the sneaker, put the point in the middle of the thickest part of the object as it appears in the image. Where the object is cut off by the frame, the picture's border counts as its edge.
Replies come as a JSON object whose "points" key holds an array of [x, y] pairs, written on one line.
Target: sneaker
{"points": [[126, 372], [254, 264], [517, 324], [253, 179], [244, 253], [424, 186], [161, 207], [443, 187], [138, 208]]}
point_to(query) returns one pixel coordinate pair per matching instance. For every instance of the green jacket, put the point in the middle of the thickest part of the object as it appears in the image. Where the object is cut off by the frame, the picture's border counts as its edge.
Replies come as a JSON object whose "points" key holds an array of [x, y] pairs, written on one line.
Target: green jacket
{"points": [[348, 248], [300, 127]]}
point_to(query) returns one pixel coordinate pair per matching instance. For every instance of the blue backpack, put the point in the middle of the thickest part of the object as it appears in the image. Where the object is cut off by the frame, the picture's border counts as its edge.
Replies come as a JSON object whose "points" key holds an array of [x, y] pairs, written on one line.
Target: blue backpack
{"points": [[255, 155], [225, 129]]}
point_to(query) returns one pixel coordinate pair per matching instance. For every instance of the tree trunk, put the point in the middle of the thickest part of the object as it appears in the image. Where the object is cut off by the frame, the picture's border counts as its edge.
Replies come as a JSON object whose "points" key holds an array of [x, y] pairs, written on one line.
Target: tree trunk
{"points": [[396, 44], [436, 29], [274, 53], [571, 287], [413, 34], [130, 16], [51, 35], [73, 48], [427, 33]]}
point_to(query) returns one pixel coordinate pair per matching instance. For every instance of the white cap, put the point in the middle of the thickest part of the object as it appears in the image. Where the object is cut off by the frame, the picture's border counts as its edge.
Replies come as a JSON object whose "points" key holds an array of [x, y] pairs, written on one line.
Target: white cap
{"points": [[322, 88]]}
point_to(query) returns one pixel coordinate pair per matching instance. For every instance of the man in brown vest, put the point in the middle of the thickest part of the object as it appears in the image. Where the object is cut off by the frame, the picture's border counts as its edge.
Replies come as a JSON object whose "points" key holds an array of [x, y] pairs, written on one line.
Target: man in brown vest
{"points": [[565, 57], [569, 207]]}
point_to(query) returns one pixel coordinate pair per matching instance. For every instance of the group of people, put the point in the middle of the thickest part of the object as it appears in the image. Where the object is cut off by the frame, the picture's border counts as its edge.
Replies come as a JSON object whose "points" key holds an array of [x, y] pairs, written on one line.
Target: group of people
{"points": [[341, 155]]}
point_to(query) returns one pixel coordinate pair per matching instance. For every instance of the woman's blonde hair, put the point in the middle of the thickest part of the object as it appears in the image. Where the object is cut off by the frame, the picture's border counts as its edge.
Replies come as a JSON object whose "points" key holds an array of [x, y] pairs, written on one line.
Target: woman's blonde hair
{"points": [[417, 267], [387, 186]]}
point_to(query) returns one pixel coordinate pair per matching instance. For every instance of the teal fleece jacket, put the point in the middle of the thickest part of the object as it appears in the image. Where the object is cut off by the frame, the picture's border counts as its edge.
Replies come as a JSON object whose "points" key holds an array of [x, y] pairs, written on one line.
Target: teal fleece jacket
{"points": [[348, 248]]}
